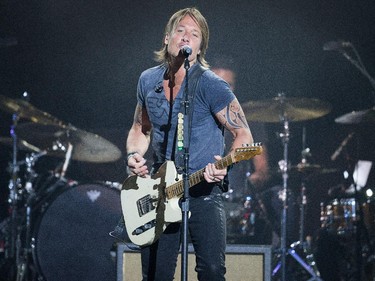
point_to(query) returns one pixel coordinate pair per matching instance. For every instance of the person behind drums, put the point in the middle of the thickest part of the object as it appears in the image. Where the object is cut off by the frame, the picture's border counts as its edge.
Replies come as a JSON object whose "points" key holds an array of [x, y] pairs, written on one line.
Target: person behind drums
{"points": [[259, 175], [215, 107], [247, 179]]}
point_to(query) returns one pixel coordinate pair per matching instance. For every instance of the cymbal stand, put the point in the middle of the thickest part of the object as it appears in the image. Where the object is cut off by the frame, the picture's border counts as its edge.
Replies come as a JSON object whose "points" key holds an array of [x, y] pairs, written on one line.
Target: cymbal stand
{"points": [[12, 238], [302, 243], [283, 165], [303, 200], [23, 264], [13, 192]]}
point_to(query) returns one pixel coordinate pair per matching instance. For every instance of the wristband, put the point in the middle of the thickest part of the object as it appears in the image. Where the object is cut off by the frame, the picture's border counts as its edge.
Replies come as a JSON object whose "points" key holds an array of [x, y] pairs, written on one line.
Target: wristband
{"points": [[130, 155]]}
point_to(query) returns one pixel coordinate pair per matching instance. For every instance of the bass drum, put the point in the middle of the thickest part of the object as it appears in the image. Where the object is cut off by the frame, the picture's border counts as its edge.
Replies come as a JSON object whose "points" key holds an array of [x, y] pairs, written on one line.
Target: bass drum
{"points": [[71, 237]]}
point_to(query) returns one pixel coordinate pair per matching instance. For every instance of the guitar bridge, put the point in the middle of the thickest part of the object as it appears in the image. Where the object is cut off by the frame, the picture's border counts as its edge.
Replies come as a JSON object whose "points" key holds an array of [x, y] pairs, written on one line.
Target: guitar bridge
{"points": [[145, 205]]}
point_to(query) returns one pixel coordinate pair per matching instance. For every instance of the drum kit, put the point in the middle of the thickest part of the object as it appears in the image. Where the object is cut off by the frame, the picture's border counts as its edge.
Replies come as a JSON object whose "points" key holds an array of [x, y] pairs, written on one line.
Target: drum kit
{"points": [[44, 234], [343, 215], [57, 228]]}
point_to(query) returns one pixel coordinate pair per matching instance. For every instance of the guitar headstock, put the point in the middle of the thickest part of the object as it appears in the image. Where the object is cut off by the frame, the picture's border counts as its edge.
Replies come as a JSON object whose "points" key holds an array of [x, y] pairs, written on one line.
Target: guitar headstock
{"points": [[247, 152]]}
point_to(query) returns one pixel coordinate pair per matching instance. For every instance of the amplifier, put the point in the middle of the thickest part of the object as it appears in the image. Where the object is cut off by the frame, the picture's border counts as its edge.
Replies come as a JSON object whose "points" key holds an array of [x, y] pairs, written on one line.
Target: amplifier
{"points": [[243, 262]]}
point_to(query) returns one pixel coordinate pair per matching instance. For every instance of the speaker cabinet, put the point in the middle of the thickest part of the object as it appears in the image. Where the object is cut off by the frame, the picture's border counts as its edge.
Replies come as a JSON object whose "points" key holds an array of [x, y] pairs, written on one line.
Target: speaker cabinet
{"points": [[243, 262]]}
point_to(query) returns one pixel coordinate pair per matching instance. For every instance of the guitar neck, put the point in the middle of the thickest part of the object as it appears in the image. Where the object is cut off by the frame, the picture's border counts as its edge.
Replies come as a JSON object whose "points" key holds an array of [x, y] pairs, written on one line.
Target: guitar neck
{"points": [[177, 189]]}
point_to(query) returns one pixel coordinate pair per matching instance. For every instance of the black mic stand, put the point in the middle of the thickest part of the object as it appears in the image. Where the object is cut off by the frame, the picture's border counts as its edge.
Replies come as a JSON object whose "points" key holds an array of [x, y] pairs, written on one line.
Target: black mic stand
{"points": [[185, 199], [358, 64]]}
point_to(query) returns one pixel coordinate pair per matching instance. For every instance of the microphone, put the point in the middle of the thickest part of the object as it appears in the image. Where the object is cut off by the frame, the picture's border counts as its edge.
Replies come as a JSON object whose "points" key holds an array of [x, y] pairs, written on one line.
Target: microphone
{"points": [[340, 148], [336, 45], [186, 50]]}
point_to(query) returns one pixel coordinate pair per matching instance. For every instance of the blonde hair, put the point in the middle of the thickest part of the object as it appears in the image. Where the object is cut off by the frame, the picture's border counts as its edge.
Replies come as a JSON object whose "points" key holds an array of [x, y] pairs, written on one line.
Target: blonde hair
{"points": [[162, 54]]}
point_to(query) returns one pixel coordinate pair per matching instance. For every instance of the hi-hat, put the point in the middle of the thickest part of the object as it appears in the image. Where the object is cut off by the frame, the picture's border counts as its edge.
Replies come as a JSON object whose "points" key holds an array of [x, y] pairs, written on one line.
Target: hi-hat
{"points": [[25, 110], [282, 108], [358, 117], [306, 168], [87, 147]]}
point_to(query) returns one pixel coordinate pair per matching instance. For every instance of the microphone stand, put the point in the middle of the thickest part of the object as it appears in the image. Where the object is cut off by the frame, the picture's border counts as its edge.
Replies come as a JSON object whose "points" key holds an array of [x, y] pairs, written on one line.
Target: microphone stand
{"points": [[185, 199], [358, 64]]}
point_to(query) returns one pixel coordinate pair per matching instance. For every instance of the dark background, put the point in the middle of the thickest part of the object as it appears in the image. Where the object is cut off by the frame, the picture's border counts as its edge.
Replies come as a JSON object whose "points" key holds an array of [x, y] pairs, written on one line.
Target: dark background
{"points": [[80, 61]]}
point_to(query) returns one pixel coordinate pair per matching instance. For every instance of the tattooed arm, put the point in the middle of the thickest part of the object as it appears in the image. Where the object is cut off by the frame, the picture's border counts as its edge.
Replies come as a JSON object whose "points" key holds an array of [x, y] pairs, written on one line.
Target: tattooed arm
{"points": [[233, 118], [138, 141]]}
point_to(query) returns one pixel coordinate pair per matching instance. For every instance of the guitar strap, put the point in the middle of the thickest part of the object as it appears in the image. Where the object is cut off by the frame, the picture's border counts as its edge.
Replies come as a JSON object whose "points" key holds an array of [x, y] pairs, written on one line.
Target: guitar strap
{"points": [[186, 120]]}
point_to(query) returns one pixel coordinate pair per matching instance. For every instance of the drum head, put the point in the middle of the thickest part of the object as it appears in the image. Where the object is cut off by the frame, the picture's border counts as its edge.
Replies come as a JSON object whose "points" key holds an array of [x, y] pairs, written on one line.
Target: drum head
{"points": [[72, 240]]}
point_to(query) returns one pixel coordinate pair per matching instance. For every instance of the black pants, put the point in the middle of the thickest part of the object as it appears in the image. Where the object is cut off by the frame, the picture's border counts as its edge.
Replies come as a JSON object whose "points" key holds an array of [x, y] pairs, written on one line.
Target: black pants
{"points": [[207, 229]]}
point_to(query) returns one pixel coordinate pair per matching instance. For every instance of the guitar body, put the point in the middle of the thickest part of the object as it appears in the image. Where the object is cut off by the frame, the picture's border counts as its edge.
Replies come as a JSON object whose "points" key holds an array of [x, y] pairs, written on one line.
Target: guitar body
{"points": [[146, 210]]}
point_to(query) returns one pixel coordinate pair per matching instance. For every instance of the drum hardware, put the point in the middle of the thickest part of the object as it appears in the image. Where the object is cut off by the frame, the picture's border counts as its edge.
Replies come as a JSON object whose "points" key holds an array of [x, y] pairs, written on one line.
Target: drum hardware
{"points": [[14, 251], [23, 219], [358, 117], [13, 193], [305, 244], [55, 139], [281, 107], [68, 155], [53, 135], [23, 109], [340, 216], [70, 238], [246, 217], [285, 110], [311, 169], [21, 145], [112, 184], [345, 215], [306, 170], [357, 63], [27, 198]]}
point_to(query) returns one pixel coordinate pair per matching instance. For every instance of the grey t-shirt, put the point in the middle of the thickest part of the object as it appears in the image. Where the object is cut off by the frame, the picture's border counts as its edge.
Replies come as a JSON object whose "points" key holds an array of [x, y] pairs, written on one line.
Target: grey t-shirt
{"points": [[212, 95]]}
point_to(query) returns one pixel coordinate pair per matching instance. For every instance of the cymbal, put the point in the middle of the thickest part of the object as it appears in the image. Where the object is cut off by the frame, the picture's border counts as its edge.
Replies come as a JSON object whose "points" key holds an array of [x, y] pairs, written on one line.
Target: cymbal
{"points": [[358, 117], [87, 147], [306, 168], [25, 110], [21, 144], [281, 108]]}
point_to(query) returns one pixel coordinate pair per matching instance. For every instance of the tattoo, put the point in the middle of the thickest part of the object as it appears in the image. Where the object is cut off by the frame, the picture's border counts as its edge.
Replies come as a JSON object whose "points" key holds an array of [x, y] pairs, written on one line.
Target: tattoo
{"points": [[138, 115], [233, 116]]}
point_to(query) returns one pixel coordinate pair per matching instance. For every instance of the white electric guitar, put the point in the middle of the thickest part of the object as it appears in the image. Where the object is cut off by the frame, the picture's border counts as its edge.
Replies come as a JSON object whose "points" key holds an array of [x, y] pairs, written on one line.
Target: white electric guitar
{"points": [[150, 204]]}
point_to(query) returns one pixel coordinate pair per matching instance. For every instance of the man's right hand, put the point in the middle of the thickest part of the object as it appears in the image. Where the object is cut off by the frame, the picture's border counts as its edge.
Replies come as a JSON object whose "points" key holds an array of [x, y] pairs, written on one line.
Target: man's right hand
{"points": [[137, 165]]}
